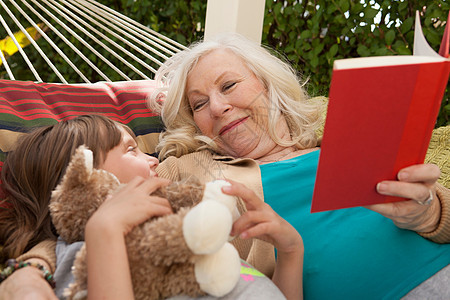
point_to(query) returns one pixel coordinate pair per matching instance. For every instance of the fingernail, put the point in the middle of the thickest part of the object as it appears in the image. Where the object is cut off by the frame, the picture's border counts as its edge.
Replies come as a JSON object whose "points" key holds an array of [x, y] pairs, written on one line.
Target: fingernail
{"points": [[244, 235], [403, 175], [381, 187], [226, 189]]}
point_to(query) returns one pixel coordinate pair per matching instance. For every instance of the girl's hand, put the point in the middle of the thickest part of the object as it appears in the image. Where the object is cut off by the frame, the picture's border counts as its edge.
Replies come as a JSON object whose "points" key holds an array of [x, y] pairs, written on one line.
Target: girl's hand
{"points": [[130, 206], [261, 221], [107, 259], [417, 183]]}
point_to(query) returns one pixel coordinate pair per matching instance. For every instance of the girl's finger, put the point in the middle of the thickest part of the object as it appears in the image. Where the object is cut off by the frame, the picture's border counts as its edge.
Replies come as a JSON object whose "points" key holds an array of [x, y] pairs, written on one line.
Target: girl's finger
{"points": [[251, 200], [151, 184], [249, 219], [160, 210], [241, 224], [160, 201], [260, 230]]}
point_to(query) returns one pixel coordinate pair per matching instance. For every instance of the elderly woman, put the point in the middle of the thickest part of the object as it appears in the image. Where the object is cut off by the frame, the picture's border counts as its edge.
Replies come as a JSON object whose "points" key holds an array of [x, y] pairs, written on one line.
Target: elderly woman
{"points": [[234, 110]]}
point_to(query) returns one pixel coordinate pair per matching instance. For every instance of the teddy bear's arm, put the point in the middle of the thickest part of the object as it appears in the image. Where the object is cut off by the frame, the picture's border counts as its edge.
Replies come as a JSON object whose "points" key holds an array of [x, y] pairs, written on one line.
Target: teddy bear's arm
{"points": [[182, 194], [160, 241]]}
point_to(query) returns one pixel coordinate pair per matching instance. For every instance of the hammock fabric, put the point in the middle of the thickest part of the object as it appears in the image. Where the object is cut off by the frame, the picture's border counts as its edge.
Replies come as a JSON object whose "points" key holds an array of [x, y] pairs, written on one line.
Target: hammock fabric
{"points": [[25, 105], [76, 42]]}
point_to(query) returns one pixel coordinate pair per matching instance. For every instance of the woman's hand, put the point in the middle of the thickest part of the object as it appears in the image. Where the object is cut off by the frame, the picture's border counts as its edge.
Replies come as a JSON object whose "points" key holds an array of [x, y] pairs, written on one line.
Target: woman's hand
{"points": [[26, 283], [417, 183], [262, 222]]}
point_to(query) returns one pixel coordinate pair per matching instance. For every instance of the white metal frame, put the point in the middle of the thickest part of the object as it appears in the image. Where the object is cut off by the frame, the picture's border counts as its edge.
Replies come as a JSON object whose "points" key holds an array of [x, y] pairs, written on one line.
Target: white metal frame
{"points": [[242, 16]]}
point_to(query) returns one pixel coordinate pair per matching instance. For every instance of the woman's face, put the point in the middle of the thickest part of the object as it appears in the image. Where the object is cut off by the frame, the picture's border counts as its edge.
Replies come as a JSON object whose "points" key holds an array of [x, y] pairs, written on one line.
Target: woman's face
{"points": [[229, 104]]}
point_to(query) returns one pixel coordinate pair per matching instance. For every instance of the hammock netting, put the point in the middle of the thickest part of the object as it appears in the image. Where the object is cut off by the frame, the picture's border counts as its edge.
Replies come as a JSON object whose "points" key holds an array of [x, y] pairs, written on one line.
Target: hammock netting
{"points": [[73, 41]]}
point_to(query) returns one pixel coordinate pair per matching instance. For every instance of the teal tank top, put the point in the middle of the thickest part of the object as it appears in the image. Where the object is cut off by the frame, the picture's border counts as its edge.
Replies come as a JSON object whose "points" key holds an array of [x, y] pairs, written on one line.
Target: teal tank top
{"points": [[351, 253]]}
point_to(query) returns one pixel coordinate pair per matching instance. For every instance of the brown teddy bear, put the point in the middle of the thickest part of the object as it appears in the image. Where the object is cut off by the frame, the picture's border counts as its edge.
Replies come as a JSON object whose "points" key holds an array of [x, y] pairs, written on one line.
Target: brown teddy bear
{"points": [[185, 253]]}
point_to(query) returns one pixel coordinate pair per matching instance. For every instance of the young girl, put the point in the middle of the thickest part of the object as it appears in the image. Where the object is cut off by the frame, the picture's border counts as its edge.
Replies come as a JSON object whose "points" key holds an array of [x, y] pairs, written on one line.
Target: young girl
{"points": [[36, 166]]}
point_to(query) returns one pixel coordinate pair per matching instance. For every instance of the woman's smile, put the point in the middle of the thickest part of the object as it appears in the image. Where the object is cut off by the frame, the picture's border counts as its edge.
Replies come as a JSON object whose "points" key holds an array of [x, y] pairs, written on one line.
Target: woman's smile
{"points": [[232, 125]]}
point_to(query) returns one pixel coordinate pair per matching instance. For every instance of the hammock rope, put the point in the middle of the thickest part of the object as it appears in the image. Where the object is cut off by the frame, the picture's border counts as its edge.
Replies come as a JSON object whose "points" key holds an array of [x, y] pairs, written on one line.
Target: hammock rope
{"points": [[11, 35], [113, 25], [50, 41], [104, 37]]}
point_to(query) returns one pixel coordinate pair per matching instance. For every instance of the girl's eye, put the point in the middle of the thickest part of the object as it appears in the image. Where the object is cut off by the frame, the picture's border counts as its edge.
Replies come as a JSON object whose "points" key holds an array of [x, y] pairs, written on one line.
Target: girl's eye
{"points": [[132, 149]]}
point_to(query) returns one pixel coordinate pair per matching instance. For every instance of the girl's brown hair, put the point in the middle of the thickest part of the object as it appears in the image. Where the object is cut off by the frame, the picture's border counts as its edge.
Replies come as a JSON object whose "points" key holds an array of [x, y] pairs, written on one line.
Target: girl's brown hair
{"points": [[34, 168]]}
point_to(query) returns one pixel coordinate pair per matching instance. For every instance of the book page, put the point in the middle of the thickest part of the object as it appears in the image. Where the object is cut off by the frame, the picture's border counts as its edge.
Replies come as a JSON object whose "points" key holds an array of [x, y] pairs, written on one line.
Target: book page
{"points": [[379, 61], [421, 46]]}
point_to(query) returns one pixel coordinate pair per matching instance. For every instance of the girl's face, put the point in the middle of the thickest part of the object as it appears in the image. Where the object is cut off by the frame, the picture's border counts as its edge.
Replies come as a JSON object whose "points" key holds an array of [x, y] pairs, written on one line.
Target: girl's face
{"points": [[126, 161], [229, 104]]}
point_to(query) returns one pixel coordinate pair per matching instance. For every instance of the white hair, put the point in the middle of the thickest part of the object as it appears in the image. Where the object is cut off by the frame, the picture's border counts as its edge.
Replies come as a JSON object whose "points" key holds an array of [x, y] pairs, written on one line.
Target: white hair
{"points": [[285, 92]]}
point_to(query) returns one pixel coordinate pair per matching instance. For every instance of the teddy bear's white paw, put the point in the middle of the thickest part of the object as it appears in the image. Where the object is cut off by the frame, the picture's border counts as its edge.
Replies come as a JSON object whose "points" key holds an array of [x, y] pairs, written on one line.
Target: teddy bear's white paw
{"points": [[213, 191], [218, 273], [206, 227]]}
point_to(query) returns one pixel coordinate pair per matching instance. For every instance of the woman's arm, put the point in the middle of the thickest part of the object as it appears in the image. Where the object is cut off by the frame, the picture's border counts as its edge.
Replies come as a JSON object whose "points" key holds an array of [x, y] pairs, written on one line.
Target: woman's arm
{"points": [[418, 183], [441, 234], [260, 221], [108, 270]]}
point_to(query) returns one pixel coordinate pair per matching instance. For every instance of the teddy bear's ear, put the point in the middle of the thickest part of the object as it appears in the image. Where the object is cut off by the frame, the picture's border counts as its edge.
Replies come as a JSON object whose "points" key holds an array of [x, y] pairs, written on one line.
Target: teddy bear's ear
{"points": [[88, 158], [81, 191], [80, 167]]}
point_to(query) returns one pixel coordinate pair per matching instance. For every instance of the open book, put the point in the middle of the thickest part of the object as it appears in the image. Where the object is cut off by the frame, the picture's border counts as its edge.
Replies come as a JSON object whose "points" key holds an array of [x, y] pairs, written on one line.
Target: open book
{"points": [[380, 118]]}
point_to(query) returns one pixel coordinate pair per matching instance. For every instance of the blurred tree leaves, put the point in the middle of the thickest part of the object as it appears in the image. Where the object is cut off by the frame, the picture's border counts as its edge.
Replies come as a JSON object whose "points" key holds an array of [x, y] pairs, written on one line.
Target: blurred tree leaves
{"points": [[181, 20]]}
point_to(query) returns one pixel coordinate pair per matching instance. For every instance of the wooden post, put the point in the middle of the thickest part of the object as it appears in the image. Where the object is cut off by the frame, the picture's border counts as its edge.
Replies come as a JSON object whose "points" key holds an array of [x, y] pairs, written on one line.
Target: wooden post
{"points": [[242, 16]]}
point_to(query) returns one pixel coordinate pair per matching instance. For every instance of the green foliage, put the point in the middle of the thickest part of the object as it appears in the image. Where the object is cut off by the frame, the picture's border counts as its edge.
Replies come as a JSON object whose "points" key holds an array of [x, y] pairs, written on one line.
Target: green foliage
{"points": [[180, 20], [312, 34]]}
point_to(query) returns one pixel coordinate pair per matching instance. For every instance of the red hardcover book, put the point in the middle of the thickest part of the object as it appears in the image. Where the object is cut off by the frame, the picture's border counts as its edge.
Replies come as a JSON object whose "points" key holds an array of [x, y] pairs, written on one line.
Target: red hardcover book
{"points": [[380, 118]]}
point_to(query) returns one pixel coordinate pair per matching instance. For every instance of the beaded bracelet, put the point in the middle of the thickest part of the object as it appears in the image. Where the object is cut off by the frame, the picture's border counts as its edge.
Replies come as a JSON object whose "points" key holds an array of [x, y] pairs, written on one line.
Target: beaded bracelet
{"points": [[12, 265]]}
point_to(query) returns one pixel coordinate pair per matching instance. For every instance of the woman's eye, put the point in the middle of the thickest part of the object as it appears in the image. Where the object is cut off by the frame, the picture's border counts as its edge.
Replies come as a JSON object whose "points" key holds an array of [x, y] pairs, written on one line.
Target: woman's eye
{"points": [[228, 86], [198, 105]]}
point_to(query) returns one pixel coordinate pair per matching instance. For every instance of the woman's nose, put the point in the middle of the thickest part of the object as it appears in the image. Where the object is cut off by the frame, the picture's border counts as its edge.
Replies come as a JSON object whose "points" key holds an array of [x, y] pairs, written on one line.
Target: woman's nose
{"points": [[219, 105]]}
